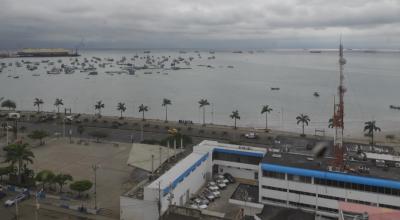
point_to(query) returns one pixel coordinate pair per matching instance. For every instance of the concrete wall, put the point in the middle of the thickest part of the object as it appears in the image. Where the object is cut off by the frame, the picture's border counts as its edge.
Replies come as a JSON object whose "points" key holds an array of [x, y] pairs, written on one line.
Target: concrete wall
{"points": [[191, 184], [138, 209], [239, 170]]}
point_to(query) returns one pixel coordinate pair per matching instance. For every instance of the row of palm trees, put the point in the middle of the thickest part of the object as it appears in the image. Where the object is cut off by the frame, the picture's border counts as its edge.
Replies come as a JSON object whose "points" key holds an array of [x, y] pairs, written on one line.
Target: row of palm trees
{"points": [[121, 107]]}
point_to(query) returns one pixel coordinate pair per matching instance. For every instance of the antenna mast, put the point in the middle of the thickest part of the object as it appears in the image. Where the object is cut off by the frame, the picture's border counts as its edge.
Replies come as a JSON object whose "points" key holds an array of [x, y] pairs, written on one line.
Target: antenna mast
{"points": [[338, 115]]}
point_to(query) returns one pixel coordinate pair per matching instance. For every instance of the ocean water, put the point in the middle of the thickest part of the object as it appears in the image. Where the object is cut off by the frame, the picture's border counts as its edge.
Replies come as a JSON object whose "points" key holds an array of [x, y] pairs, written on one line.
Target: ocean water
{"points": [[372, 81]]}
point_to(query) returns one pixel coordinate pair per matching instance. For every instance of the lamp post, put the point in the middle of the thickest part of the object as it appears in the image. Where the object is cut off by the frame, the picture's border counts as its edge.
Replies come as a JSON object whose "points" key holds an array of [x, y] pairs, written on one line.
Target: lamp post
{"points": [[95, 167]]}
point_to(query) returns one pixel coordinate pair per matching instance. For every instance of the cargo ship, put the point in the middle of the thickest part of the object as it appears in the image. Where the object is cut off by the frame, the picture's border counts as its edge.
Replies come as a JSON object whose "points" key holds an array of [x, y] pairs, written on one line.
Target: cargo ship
{"points": [[47, 52]]}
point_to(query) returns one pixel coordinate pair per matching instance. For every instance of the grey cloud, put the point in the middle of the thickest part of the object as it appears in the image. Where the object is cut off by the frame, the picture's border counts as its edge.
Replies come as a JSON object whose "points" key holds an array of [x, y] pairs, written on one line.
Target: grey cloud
{"points": [[173, 23]]}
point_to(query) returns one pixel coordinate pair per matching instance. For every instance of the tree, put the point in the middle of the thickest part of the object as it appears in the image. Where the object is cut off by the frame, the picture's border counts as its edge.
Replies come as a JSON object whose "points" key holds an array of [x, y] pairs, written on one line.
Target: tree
{"points": [[98, 135], [5, 171], [80, 129], [45, 177], [81, 186], [202, 104], [121, 107], [9, 104], [61, 179], [58, 103], [304, 120], [18, 154], [235, 115], [143, 109], [266, 109], [38, 135], [370, 127], [98, 106], [330, 123], [165, 104], [37, 103]]}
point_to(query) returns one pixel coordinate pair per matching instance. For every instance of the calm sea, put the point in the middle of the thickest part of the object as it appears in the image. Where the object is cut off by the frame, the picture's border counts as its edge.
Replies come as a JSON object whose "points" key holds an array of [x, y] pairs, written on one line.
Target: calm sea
{"points": [[372, 81]]}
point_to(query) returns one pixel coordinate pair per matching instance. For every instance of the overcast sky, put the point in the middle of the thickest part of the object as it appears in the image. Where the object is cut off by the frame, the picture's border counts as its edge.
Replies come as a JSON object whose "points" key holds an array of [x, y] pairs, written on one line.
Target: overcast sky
{"points": [[200, 23]]}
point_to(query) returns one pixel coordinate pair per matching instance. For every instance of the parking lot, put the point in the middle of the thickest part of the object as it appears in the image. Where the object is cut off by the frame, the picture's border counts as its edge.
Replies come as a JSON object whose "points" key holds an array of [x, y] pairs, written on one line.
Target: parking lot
{"points": [[222, 194]]}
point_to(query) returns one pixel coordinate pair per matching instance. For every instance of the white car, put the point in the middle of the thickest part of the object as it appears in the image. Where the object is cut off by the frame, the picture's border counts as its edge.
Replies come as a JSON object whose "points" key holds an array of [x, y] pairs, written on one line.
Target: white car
{"points": [[251, 135], [221, 184], [222, 179], [213, 188], [18, 198]]}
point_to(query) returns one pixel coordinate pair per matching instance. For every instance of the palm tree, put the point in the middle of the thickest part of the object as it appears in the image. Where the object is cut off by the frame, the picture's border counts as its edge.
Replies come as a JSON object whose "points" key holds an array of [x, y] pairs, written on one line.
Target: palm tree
{"points": [[121, 107], [202, 104], [303, 119], [235, 115], [9, 104], [37, 103], [18, 154], [371, 127], [165, 104], [330, 123], [98, 106], [266, 109], [57, 103], [143, 108]]}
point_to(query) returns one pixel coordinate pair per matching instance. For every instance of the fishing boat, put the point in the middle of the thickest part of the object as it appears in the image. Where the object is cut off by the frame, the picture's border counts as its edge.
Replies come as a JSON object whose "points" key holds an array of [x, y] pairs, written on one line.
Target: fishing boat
{"points": [[54, 70]]}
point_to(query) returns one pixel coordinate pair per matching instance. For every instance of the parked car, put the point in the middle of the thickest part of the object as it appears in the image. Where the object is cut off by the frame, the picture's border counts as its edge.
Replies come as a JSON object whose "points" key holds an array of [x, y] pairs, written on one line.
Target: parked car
{"points": [[215, 192], [229, 177], [18, 198], [251, 135], [210, 196], [221, 184], [222, 178]]}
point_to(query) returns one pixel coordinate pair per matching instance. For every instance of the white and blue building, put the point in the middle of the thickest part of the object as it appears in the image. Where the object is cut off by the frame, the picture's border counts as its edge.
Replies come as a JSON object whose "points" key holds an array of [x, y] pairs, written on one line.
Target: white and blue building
{"points": [[284, 179]]}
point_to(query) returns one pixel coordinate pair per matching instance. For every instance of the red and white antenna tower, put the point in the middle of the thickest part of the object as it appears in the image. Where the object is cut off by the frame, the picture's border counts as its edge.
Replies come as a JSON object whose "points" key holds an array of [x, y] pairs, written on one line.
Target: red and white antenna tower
{"points": [[338, 115]]}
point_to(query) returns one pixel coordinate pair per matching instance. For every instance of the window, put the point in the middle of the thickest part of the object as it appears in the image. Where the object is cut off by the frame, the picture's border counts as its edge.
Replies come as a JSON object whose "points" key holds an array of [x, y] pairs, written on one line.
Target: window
{"points": [[274, 188], [302, 193], [236, 158], [325, 209], [298, 204], [269, 199], [297, 178], [273, 174], [389, 206], [331, 197]]}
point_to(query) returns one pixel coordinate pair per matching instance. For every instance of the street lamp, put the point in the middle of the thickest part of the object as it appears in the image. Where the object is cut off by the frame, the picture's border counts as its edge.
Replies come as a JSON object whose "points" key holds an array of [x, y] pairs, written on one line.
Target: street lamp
{"points": [[95, 167]]}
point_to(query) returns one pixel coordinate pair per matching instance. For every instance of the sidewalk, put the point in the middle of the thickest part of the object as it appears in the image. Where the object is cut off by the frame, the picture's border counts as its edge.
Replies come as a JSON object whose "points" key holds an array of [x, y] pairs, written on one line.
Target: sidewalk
{"points": [[68, 211]]}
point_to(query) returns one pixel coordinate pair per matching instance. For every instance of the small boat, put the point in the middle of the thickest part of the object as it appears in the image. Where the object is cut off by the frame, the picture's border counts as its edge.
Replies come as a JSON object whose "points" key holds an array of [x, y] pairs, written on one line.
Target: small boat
{"points": [[16, 77], [275, 88], [93, 73], [147, 72], [315, 51], [54, 71], [316, 94], [35, 74], [230, 67]]}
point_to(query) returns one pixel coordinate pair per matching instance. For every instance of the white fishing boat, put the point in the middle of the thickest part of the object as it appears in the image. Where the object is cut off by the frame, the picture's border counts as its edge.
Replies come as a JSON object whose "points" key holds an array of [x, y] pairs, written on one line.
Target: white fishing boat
{"points": [[54, 70]]}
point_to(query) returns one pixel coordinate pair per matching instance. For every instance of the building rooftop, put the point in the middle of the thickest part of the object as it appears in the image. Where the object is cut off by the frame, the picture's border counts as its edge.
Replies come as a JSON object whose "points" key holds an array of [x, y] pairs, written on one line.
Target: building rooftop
{"points": [[308, 162], [182, 169]]}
